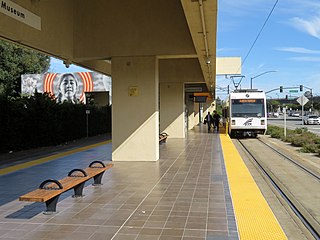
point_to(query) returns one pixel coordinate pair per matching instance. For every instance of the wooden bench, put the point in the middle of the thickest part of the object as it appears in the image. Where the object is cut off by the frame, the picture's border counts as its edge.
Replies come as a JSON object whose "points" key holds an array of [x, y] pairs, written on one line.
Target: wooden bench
{"points": [[163, 137], [50, 190]]}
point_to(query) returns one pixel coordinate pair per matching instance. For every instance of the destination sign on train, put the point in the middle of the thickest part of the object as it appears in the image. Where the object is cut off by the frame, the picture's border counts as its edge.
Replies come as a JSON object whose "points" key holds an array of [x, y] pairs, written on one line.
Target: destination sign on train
{"points": [[247, 101]]}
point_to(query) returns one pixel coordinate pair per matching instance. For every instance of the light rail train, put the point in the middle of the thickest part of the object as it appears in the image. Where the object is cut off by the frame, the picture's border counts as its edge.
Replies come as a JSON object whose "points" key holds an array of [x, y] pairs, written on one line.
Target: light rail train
{"points": [[245, 113]]}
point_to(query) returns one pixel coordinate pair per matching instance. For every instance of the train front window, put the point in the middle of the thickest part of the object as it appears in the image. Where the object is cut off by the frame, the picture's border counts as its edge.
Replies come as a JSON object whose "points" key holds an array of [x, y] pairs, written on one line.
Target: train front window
{"points": [[247, 108]]}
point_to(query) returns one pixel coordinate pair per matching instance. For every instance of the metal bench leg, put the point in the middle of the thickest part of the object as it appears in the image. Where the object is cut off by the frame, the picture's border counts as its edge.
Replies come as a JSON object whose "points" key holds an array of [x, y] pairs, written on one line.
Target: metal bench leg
{"points": [[51, 205], [97, 179], [78, 190]]}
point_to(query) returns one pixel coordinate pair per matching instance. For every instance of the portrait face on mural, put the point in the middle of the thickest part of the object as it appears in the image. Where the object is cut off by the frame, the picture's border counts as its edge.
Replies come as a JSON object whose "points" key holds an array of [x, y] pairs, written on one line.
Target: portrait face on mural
{"points": [[67, 88]]}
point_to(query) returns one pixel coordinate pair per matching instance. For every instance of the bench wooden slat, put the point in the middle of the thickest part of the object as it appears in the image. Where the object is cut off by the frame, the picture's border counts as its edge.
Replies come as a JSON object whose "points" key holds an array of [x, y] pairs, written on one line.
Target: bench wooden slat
{"points": [[43, 195]]}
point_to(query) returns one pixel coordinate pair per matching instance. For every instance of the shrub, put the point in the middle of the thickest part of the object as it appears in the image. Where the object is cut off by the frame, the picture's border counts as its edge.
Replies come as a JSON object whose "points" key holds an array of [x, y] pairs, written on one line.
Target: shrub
{"points": [[298, 140], [317, 140], [300, 130], [271, 128], [290, 137], [38, 121], [310, 148], [275, 132], [300, 137]]}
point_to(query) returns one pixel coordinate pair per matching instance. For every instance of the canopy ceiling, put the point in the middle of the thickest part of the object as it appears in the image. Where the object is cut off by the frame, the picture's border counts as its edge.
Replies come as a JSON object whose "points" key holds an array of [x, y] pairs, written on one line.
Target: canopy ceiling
{"points": [[91, 33]]}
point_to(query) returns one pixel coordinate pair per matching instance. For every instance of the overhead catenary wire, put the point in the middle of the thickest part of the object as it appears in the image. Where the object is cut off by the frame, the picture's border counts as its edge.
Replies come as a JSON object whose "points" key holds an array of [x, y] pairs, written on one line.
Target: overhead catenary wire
{"points": [[254, 42]]}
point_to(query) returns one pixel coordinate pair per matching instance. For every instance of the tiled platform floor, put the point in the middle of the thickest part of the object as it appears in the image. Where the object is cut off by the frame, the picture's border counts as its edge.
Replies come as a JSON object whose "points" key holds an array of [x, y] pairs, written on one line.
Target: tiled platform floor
{"points": [[184, 195]]}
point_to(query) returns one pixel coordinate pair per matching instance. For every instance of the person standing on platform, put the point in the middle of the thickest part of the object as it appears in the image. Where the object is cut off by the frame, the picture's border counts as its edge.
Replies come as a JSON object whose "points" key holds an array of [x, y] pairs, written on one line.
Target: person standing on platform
{"points": [[208, 120], [216, 120]]}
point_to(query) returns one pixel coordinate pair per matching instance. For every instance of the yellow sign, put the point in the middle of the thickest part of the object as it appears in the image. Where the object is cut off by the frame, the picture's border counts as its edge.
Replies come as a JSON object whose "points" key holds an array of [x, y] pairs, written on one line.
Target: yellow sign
{"points": [[133, 91]]}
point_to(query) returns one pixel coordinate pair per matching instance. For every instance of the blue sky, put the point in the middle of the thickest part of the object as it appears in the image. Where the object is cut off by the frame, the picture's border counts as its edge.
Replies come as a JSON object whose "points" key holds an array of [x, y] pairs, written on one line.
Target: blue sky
{"points": [[56, 65], [288, 44]]}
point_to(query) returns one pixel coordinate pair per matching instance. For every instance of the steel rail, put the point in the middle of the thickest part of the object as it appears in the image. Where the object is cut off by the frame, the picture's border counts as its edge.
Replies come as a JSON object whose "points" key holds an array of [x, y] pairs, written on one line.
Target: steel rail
{"points": [[292, 160]]}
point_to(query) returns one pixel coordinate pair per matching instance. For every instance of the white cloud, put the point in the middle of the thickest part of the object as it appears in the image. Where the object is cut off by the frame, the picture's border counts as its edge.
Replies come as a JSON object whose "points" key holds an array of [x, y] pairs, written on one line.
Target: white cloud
{"points": [[298, 50], [299, 7], [220, 50], [306, 59], [312, 26], [261, 65]]}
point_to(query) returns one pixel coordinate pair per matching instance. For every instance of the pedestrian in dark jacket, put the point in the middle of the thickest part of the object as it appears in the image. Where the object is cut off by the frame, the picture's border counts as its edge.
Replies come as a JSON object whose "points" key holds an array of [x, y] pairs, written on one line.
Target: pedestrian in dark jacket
{"points": [[216, 120], [208, 120]]}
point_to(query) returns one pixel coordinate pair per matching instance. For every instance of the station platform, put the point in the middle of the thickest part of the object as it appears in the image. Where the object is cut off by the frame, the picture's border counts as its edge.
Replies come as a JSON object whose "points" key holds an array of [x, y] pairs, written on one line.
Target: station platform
{"points": [[199, 189]]}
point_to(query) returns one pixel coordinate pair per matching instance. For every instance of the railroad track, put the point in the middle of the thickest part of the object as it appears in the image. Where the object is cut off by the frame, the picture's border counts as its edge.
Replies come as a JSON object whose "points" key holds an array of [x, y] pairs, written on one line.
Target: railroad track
{"points": [[306, 169], [261, 153]]}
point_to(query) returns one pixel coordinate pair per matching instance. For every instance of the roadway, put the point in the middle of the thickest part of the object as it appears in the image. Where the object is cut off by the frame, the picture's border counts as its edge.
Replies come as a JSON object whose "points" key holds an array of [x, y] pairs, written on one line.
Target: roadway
{"points": [[293, 123]]}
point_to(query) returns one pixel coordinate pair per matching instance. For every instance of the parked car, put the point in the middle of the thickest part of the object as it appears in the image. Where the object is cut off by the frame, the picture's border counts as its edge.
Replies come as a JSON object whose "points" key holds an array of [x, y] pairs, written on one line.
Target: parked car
{"points": [[312, 119], [295, 115]]}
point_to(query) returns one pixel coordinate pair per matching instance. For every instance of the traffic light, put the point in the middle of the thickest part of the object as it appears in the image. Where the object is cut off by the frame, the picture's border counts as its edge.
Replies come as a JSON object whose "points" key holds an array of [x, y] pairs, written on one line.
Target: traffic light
{"points": [[281, 89], [286, 97], [301, 88]]}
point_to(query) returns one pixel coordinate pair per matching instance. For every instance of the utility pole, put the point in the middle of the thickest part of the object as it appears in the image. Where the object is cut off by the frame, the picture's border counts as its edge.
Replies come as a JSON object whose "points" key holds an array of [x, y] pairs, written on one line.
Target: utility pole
{"points": [[302, 103], [87, 114], [285, 121]]}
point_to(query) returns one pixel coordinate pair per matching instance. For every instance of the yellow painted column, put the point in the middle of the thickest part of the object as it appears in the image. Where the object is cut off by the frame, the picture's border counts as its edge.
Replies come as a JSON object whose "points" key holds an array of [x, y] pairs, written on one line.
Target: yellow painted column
{"points": [[196, 113], [135, 116], [172, 110], [190, 107]]}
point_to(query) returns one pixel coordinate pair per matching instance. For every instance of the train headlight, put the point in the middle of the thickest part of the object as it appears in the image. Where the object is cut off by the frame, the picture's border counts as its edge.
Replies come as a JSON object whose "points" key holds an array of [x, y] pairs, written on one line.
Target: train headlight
{"points": [[262, 122], [233, 122]]}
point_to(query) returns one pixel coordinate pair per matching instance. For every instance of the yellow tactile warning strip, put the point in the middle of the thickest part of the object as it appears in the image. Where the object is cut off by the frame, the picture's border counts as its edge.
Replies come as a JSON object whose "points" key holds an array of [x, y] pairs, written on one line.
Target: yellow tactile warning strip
{"points": [[49, 158], [255, 220]]}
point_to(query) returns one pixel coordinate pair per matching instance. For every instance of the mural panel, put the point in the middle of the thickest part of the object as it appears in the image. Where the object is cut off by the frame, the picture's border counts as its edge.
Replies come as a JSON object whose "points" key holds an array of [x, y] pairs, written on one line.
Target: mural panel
{"points": [[66, 86]]}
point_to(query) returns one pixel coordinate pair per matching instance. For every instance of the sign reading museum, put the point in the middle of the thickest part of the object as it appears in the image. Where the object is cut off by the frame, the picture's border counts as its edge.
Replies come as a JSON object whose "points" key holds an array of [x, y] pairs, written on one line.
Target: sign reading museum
{"points": [[21, 14]]}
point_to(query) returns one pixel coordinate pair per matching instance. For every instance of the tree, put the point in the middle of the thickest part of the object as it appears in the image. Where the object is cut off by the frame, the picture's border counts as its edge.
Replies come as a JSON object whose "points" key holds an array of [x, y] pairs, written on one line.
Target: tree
{"points": [[273, 105], [219, 105], [16, 60]]}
